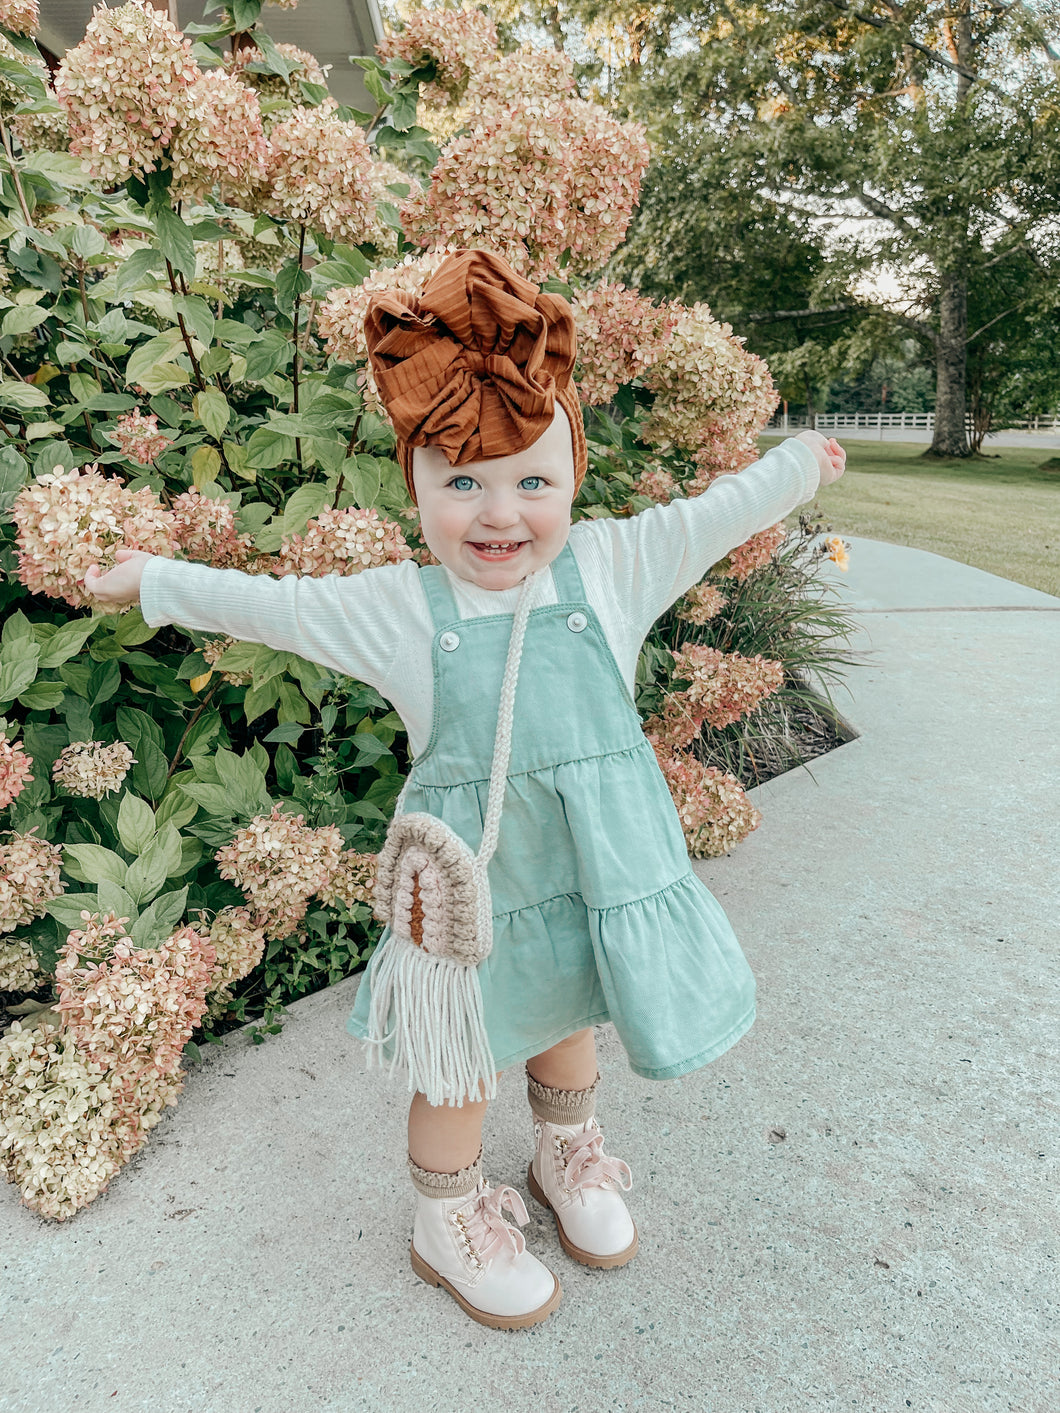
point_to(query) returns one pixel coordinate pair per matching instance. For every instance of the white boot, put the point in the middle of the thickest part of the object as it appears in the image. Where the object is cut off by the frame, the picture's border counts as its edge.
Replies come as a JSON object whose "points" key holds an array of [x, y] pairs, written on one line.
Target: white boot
{"points": [[571, 1174], [464, 1244]]}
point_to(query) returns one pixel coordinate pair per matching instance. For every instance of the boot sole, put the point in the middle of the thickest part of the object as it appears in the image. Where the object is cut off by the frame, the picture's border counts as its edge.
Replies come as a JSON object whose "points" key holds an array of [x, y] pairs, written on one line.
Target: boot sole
{"points": [[483, 1317], [587, 1258]]}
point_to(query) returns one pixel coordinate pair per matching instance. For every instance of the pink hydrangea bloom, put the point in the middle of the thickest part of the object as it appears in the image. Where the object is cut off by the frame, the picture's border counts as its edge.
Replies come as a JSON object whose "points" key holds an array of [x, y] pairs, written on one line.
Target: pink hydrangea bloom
{"points": [[68, 520], [123, 88], [205, 529], [340, 318], [138, 437], [701, 604], [657, 484], [20, 16], [707, 386], [752, 554], [502, 81], [723, 686], [238, 942], [343, 542], [533, 181], [67, 1125], [320, 174], [457, 42], [620, 335], [129, 1007], [14, 770], [20, 968], [91, 769], [220, 142], [279, 862], [353, 880], [29, 878], [712, 805]]}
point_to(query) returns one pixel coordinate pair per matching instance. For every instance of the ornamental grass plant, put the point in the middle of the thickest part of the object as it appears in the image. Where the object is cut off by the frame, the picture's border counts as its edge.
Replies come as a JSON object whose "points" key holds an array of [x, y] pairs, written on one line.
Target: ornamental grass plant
{"points": [[191, 231]]}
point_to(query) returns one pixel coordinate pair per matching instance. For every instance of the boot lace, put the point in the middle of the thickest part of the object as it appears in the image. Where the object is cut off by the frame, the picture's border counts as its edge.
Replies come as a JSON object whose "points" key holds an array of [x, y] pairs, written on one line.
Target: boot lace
{"points": [[587, 1165], [487, 1230]]}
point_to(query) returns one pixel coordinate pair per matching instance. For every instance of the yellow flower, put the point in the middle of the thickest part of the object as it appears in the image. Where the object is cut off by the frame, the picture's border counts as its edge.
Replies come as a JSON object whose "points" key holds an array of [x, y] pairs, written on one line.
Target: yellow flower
{"points": [[837, 551]]}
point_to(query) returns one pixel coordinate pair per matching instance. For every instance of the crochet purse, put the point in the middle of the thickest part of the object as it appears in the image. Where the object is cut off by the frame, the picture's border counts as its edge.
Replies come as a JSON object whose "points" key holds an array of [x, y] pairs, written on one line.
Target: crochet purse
{"points": [[435, 895]]}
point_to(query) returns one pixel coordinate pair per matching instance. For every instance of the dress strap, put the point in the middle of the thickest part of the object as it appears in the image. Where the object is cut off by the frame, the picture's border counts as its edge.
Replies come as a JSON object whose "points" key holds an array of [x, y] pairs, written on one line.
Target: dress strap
{"points": [[567, 577], [440, 596]]}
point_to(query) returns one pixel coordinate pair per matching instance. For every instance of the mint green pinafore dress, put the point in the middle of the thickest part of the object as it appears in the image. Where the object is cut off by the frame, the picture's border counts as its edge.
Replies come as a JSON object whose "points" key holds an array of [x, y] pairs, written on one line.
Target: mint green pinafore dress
{"points": [[597, 915]]}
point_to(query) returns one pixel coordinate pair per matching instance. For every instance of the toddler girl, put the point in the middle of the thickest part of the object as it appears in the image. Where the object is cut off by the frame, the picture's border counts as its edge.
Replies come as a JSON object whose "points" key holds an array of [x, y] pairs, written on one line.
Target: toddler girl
{"points": [[596, 912]]}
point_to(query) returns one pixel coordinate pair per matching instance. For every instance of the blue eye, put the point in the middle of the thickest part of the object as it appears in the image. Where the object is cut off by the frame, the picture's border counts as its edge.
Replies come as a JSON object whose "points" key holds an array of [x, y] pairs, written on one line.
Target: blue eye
{"points": [[539, 479], [468, 479]]}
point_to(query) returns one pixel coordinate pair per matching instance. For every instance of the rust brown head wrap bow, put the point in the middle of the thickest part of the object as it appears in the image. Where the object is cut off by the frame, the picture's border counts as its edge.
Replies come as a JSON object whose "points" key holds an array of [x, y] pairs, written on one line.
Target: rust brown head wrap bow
{"points": [[476, 364]]}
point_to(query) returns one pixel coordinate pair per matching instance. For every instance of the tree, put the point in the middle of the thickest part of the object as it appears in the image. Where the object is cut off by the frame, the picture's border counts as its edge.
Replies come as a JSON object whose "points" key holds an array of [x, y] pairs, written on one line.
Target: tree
{"points": [[935, 126]]}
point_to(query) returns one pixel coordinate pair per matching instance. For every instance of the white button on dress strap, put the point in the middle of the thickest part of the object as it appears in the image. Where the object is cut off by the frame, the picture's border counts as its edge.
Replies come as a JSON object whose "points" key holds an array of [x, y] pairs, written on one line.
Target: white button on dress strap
{"points": [[450, 641], [576, 622]]}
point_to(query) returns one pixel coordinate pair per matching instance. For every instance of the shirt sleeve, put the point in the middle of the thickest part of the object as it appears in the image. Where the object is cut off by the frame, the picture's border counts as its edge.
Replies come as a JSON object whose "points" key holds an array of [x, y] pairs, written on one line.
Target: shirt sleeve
{"points": [[655, 557], [349, 623]]}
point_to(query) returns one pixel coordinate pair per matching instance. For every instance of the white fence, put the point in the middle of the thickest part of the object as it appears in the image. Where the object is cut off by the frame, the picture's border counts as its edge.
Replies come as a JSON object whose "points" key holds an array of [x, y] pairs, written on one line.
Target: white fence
{"points": [[912, 421]]}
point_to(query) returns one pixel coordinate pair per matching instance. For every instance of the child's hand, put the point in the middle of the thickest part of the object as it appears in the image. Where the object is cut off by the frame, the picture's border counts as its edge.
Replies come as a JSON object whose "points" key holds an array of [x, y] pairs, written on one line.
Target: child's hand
{"points": [[831, 458], [120, 585]]}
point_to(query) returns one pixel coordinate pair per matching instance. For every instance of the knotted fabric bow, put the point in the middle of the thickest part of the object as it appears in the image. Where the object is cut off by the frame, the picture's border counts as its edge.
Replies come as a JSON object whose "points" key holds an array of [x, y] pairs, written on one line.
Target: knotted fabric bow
{"points": [[476, 364], [487, 1230], [589, 1166]]}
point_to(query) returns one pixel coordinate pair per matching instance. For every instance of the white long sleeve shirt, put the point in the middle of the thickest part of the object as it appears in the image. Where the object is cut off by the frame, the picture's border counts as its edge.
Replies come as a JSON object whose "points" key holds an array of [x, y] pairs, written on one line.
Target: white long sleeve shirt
{"points": [[376, 625]]}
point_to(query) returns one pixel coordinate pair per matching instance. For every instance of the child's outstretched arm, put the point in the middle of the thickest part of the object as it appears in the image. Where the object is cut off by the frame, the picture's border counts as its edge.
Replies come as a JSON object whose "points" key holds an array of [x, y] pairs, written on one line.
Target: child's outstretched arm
{"points": [[655, 557], [349, 624]]}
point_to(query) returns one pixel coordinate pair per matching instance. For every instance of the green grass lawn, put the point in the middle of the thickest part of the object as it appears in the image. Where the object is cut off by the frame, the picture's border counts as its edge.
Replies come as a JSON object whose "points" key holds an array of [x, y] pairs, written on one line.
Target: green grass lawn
{"points": [[1000, 513]]}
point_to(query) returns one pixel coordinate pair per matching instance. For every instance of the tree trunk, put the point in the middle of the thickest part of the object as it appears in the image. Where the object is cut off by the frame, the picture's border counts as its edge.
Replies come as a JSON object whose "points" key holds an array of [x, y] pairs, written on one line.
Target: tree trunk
{"points": [[951, 438]]}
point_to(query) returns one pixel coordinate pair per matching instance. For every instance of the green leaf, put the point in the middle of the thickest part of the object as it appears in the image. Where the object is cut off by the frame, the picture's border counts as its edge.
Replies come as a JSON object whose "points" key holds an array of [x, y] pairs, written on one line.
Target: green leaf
{"points": [[132, 630], [261, 699], [160, 920], [160, 859], [91, 863], [176, 809], [18, 668], [267, 354], [22, 396], [214, 799], [236, 457], [136, 823], [114, 899], [306, 502], [245, 13], [156, 350], [145, 738], [198, 314], [133, 271], [290, 282], [87, 242], [13, 474], [205, 464], [174, 239], [68, 907], [212, 410], [22, 318], [67, 641], [42, 696], [290, 731], [268, 449], [163, 377]]}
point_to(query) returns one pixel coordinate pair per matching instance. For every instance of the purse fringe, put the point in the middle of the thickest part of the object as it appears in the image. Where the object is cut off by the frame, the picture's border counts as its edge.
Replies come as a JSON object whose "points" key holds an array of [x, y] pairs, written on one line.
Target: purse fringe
{"points": [[433, 1007]]}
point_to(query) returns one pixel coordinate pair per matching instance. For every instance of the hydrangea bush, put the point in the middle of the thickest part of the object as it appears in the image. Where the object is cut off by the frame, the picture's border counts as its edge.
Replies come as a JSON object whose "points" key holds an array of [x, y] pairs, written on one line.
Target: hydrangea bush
{"points": [[192, 227]]}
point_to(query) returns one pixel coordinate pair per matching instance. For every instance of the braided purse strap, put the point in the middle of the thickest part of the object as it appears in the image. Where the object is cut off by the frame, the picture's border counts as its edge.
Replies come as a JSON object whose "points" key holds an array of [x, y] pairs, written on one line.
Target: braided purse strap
{"points": [[429, 886]]}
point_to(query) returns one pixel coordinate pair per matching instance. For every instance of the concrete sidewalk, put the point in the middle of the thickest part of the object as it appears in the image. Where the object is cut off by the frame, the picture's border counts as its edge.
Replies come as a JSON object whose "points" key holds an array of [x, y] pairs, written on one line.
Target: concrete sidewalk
{"points": [[852, 1209]]}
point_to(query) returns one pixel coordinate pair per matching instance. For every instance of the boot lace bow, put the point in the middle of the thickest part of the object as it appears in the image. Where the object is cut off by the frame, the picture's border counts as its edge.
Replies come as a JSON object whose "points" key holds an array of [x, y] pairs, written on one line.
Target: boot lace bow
{"points": [[487, 1229], [587, 1165]]}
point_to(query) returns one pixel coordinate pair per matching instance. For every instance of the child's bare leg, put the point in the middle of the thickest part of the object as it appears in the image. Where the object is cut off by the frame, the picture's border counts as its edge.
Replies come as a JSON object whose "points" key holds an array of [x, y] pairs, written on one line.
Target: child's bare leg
{"points": [[443, 1138], [569, 1065]]}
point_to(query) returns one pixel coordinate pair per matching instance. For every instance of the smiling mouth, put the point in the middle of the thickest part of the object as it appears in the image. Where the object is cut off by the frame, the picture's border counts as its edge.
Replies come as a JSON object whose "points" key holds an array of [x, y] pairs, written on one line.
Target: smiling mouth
{"points": [[497, 548]]}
